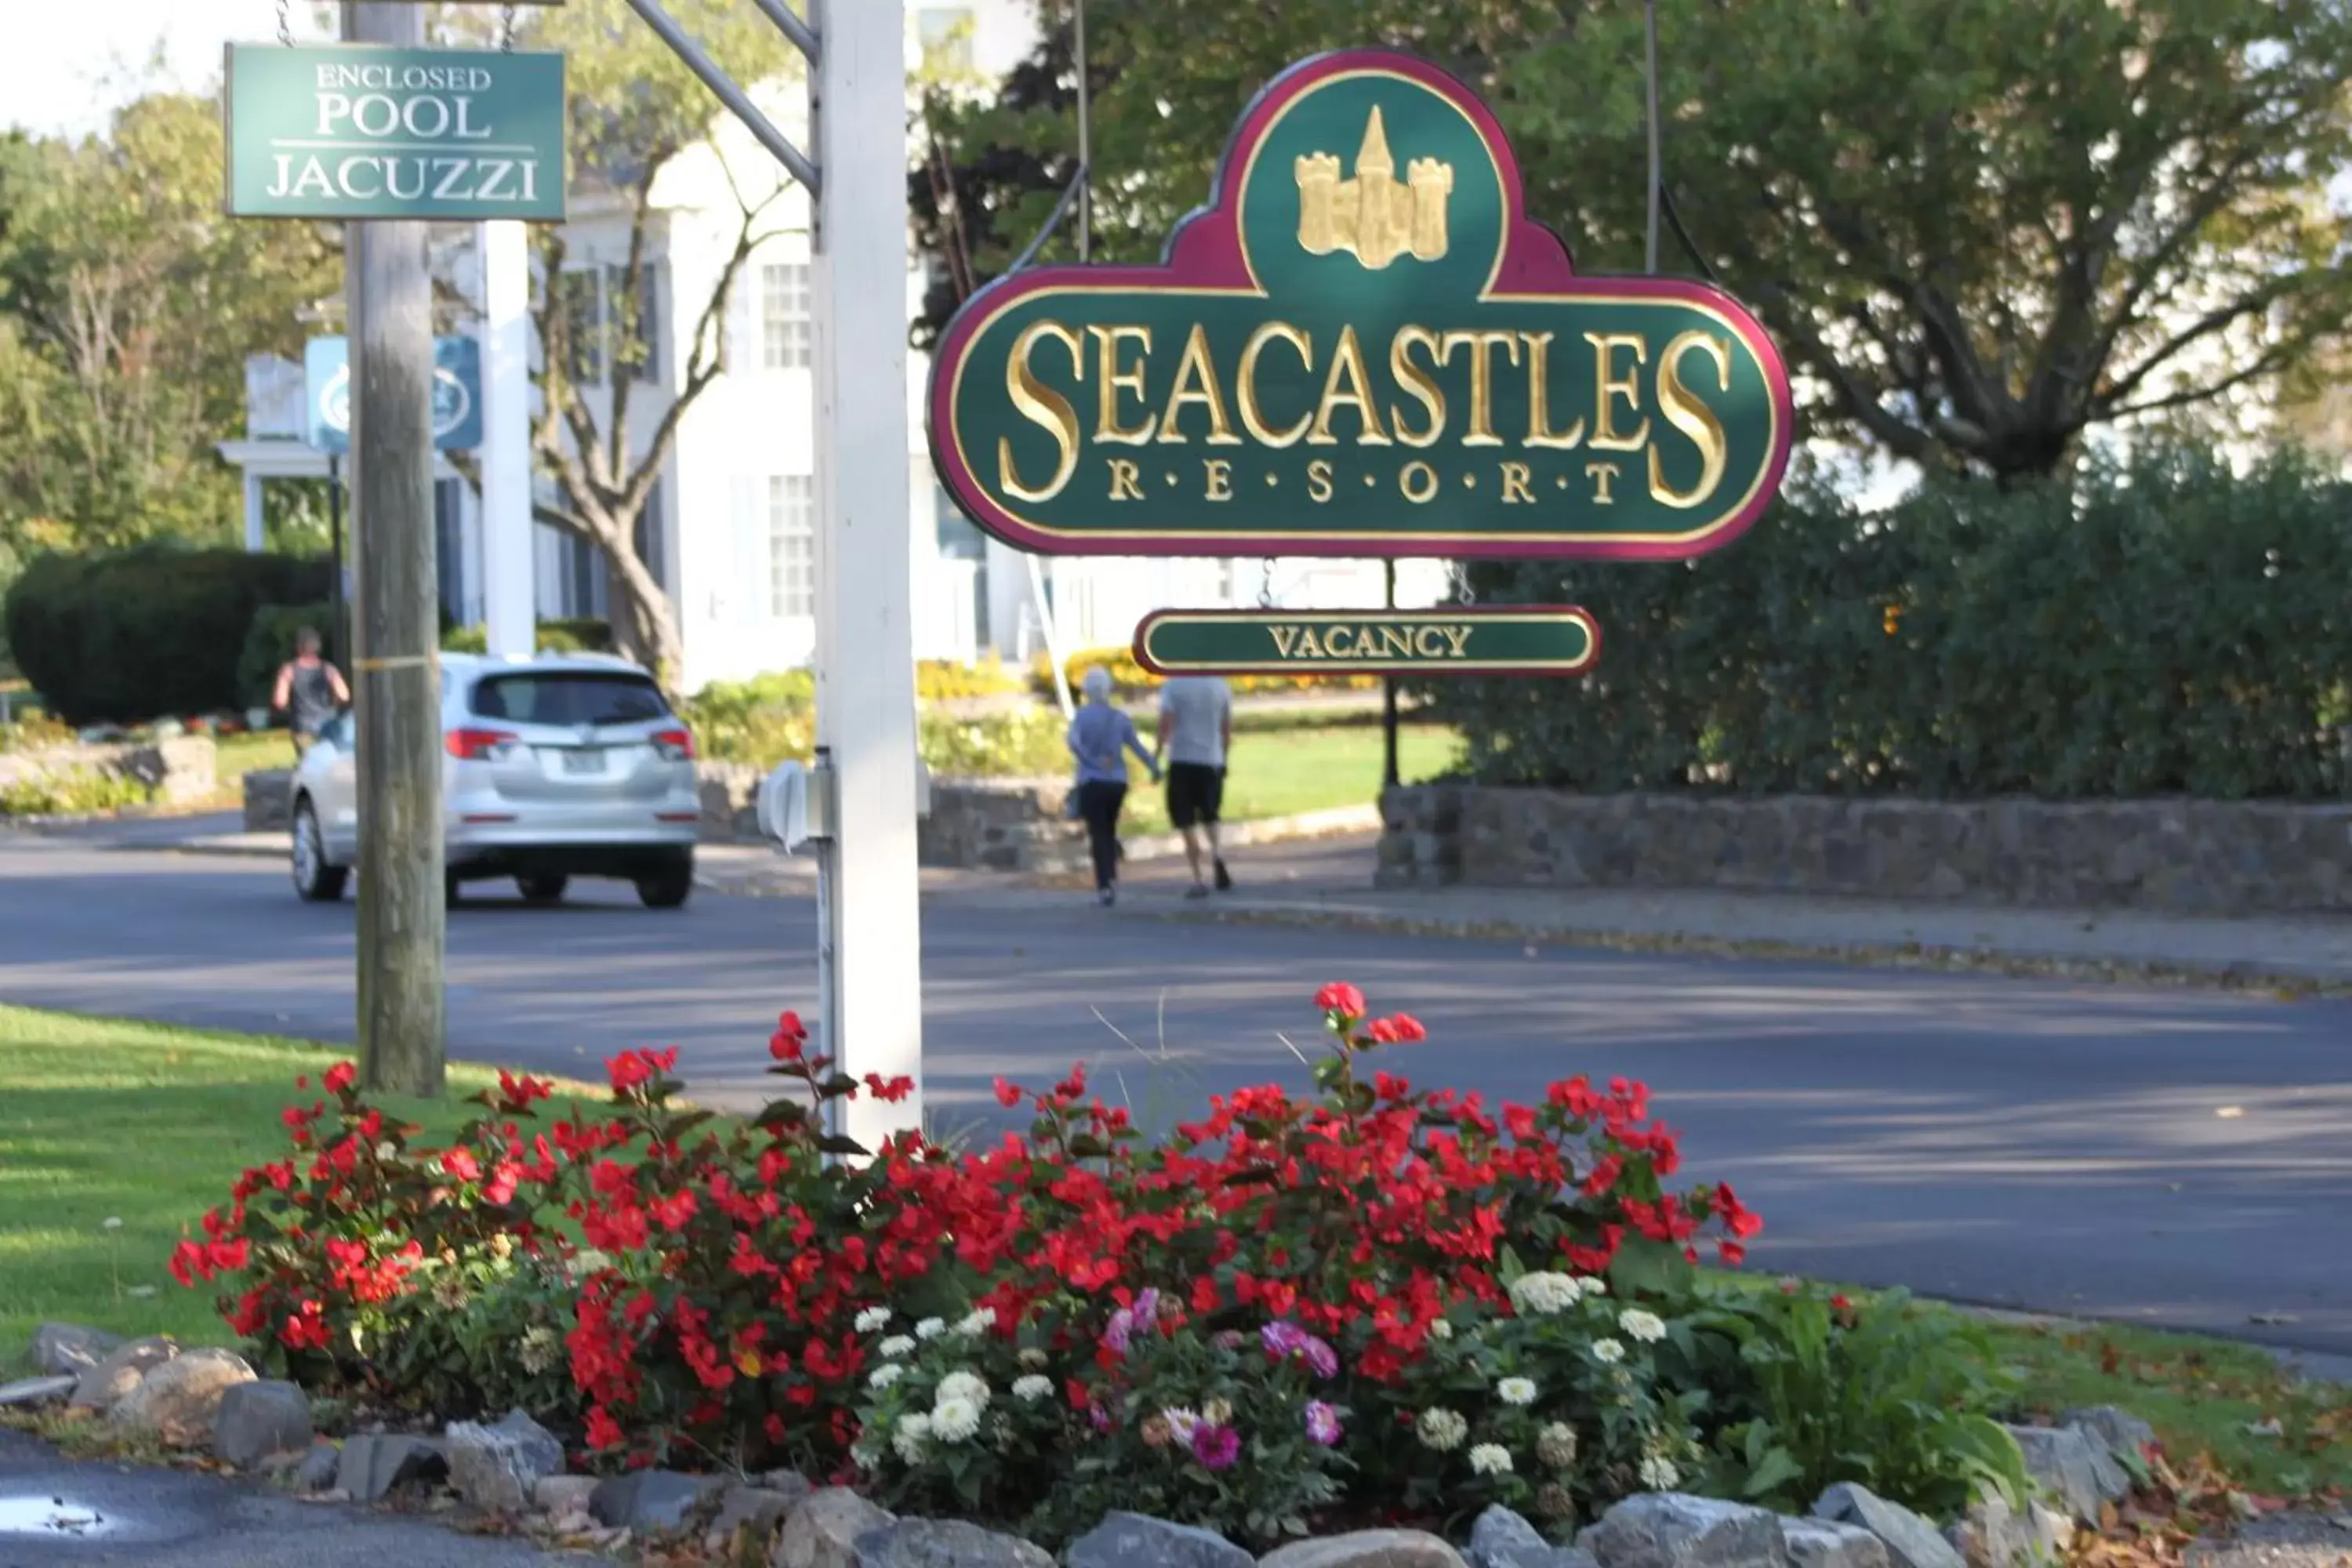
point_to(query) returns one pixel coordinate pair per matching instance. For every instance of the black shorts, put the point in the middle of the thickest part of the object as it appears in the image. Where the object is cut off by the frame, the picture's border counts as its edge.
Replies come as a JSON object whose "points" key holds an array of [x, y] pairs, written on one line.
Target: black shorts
{"points": [[1195, 790]]}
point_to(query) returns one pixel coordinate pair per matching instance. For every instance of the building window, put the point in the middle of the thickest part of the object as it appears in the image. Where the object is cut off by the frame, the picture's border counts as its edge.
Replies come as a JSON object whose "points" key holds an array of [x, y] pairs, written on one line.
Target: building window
{"points": [[786, 340], [606, 325], [792, 545], [945, 33]]}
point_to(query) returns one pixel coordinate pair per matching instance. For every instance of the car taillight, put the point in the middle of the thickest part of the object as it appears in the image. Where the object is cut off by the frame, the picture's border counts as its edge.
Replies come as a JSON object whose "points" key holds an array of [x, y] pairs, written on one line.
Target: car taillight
{"points": [[475, 745], [675, 745]]}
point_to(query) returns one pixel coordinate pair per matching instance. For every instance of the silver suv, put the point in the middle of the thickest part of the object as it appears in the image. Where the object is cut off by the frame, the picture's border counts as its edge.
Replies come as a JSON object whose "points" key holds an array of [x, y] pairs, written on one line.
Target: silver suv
{"points": [[554, 767]]}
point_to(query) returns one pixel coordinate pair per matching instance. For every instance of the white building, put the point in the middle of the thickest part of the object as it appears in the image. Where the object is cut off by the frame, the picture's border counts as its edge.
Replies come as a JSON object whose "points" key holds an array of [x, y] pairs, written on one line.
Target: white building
{"points": [[731, 530]]}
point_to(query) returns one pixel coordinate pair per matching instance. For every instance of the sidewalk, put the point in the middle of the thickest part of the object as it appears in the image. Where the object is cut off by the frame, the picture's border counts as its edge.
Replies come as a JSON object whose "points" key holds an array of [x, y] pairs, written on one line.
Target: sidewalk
{"points": [[1328, 883]]}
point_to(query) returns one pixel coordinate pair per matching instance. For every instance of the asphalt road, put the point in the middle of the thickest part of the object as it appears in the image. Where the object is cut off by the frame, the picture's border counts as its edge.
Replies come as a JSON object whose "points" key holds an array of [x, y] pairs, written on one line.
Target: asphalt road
{"points": [[2033, 1144]]}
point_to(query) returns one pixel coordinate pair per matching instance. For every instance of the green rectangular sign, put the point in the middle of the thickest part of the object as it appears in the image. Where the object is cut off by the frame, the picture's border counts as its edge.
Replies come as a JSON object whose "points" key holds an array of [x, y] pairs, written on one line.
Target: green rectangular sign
{"points": [[1515, 639], [355, 131]]}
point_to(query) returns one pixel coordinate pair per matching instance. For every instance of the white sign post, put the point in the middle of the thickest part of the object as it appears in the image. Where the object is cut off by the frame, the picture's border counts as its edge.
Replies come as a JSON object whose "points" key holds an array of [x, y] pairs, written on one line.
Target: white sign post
{"points": [[510, 604], [864, 565], [870, 957]]}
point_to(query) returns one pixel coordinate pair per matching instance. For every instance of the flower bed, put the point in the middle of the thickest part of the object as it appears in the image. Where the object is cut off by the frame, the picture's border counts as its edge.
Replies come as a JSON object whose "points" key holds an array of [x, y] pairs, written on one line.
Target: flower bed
{"points": [[1382, 1304]]}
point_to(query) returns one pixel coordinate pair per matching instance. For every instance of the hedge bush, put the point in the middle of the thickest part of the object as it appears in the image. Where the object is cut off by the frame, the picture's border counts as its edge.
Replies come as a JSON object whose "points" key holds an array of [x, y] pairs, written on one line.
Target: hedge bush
{"points": [[150, 632], [2160, 626], [580, 635]]}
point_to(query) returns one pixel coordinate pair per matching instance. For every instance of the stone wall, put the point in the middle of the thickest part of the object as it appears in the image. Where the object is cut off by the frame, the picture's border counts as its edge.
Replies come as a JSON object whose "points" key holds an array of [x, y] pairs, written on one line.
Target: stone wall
{"points": [[180, 771], [2183, 856], [1001, 824]]}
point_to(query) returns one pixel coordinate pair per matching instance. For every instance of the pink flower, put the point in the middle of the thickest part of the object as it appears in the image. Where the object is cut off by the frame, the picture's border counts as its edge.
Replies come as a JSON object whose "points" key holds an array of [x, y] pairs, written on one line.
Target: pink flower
{"points": [[1216, 1447], [1322, 1422]]}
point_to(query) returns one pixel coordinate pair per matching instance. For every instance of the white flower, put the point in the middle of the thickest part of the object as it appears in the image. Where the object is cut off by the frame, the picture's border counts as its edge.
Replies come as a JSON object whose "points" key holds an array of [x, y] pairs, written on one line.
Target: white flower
{"points": [[882, 1376], [977, 1323], [930, 1328], [1591, 1285], [1608, 1352], [1440, 1429], [912, 1436], [872, 1319], [1542, 1295], [895, 1345], [1441, 1330], [1516, 1390], [962, 1386], [1555, 1445], [1029, 1390], [111, 1222], [1659, 1474], [1646, 1327], [955, 1419], [1490, 1459], [1182, 1423]]}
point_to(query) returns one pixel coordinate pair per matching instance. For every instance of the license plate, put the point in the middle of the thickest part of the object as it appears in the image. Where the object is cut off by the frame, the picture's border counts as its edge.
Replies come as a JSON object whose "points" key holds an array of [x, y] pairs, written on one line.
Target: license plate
{"points": [[584, 762]]}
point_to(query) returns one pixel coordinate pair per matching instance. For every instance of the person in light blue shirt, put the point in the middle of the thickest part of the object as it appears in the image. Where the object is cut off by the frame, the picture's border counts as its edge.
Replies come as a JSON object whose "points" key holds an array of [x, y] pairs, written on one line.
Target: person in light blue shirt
{"points": [[1101, 738]]}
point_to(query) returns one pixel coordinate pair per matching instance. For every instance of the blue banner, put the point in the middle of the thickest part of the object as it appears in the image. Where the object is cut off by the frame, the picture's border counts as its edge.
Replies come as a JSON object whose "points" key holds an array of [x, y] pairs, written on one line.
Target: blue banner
{"points": [[456, 394]]}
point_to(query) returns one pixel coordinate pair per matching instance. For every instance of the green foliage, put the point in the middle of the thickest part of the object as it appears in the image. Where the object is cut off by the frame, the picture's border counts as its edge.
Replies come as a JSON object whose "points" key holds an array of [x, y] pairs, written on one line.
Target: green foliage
{"points": [[128, 304], [84, 793], [1802, 1390], [580, 634], [2164, 627], [33, 731], [1029, 742], [2070, 205], [155, 631]]}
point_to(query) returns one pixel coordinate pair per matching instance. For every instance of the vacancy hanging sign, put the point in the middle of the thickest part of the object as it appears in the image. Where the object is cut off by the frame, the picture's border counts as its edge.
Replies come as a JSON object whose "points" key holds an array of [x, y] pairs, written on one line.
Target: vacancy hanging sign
{"points": [[352, 130]]}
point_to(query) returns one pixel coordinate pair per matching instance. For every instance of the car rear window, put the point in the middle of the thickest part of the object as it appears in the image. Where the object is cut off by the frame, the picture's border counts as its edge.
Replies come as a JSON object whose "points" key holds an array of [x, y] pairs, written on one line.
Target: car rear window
{"points": [[570, 698]]}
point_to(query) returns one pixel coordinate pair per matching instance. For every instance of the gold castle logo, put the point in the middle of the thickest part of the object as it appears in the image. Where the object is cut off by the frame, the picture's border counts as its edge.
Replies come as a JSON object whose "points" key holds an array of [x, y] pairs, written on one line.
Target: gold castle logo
{"points": [[1375, 217]]}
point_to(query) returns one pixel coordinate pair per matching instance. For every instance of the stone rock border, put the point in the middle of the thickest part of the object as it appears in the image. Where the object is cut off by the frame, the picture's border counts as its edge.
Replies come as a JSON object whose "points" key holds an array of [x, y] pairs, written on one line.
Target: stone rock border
{"points": [[514, 1470]]}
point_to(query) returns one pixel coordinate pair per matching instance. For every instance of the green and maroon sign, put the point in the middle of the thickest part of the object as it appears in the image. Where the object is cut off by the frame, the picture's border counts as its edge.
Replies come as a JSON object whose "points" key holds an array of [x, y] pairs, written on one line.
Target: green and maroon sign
{"points": [[1515, 639], [1362, 346]]}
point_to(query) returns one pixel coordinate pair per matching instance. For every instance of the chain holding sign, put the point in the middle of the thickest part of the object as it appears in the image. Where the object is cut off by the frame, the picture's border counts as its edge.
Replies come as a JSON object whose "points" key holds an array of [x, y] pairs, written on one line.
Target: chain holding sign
{"points": [[343, 132]]}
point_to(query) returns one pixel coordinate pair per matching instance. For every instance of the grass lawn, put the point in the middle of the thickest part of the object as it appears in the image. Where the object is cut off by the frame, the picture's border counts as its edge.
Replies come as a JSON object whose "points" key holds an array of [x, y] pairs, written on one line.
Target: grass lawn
{"points": [[144, 1124], [2275, 1436], [1280, 773], [251, 753]]}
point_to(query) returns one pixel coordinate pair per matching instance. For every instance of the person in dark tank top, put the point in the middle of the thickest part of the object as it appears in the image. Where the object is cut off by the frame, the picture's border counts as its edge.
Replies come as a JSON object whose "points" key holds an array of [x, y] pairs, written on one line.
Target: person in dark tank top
{"points": [[310, 691]]}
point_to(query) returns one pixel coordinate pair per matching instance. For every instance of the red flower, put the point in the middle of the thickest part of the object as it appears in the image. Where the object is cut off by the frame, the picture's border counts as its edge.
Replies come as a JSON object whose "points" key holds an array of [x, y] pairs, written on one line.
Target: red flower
{"points": [[1841, 1303], [340, 1076], [1731, 1252], [1341, 998], [461, 1163], [1408, 1028], [501, 1187], [629, 1069], [674, 1210], [785, 1045], [603, 1432], [890, 1091], [1007, 1093]]}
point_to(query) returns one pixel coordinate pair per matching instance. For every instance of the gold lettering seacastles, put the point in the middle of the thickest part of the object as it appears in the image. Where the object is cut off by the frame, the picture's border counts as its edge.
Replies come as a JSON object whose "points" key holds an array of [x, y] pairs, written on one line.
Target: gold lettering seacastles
{"points": [[1374, 217]]}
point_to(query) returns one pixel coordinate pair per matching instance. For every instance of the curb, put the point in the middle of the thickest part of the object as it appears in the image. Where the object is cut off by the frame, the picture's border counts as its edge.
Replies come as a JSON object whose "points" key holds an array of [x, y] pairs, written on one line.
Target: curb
{"points": [[2234, 976]]}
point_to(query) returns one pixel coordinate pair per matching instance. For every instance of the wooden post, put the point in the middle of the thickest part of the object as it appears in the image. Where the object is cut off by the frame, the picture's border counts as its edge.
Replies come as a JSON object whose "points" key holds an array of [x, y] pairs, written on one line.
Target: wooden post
{"points": [[397, 675]]}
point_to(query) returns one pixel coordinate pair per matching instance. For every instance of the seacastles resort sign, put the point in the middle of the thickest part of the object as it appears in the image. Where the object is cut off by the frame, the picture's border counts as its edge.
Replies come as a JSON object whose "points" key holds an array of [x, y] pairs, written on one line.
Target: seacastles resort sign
{"points": [[1362, 346], [1517, 639]]}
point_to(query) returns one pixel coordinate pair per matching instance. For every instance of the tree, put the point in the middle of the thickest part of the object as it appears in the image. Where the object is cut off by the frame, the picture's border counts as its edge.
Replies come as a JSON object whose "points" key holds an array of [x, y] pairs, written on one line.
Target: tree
{"points": [[636, 112], [128, 304], [1980, 227]]}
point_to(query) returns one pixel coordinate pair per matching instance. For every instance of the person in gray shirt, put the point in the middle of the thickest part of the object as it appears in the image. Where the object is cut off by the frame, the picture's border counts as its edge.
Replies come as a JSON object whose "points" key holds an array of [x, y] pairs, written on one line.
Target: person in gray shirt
{"points": [[1100, 736], [1196, 730]]}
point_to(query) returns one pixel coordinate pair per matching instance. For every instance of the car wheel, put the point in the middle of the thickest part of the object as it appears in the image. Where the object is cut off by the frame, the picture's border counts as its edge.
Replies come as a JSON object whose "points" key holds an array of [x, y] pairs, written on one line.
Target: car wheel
{"points": [[668, 887], [315, 881], [542, 888]]}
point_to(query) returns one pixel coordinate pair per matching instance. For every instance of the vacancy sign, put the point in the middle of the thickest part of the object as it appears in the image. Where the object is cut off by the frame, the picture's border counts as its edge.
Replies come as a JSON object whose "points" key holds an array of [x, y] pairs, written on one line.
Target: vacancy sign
{"points": [[354, 130]]}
